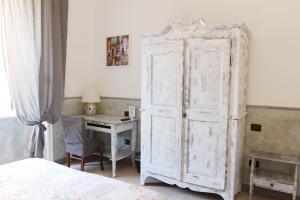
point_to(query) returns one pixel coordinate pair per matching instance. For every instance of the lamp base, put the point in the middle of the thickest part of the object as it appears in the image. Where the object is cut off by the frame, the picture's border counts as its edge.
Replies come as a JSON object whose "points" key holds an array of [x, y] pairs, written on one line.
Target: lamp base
{"points": [[91, 108]]}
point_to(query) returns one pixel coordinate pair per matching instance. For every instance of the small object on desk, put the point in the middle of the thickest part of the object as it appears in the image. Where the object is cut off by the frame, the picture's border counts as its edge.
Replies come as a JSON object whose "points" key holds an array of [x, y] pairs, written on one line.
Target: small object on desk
{"points": [[131, 112], [125, 119], [91, 98], [273, 180]]}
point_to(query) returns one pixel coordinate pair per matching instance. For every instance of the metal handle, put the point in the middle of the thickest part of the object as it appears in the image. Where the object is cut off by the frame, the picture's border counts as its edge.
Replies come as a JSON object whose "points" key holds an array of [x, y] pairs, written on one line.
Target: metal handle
{"points": [[184, 115]]}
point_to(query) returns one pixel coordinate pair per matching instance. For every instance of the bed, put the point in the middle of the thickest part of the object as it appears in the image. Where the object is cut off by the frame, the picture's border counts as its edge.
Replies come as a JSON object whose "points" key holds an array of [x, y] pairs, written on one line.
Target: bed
{"points": [[39, 179]]}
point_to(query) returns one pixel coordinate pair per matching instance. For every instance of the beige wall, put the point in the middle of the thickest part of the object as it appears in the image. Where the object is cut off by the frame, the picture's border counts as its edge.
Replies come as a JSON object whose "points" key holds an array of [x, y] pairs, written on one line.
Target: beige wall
{"points": [[275, 26]]}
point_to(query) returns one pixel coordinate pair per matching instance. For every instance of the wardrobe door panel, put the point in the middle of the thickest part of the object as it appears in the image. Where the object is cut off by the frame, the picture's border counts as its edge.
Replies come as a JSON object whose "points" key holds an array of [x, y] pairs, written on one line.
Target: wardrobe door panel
{"points": [[164, 78], [205, 91], [162, 101], [203, 146], [163, 142], [206, 105]]}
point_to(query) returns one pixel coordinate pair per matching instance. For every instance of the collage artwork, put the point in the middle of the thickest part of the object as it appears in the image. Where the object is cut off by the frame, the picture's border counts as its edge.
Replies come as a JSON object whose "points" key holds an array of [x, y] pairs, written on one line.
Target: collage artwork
{"points": [[117, 50]]}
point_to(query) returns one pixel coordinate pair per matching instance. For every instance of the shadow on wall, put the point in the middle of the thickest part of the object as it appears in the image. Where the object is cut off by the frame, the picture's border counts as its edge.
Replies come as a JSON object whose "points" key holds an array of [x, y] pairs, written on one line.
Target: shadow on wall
{"points": [[14, 140]]}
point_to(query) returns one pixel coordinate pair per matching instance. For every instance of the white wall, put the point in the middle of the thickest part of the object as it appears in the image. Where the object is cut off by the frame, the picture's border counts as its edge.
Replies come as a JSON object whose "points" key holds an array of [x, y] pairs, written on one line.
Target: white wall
{"points": [[275, 46]]}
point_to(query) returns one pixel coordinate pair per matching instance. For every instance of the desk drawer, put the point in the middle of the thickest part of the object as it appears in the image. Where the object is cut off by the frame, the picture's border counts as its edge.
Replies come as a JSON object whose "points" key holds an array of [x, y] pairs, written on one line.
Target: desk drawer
{"points": [[95, 125], [272, 184], [99, 127]]}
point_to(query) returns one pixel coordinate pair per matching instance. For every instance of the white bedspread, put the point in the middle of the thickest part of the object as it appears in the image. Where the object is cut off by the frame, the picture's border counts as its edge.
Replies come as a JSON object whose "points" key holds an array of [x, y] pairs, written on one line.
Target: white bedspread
{"points": [[37, 179]]}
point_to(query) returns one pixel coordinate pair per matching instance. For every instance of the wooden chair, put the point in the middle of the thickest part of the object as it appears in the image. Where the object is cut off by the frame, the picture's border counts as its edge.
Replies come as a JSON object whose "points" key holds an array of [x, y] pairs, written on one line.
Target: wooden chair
{"points": [[78, 144]]}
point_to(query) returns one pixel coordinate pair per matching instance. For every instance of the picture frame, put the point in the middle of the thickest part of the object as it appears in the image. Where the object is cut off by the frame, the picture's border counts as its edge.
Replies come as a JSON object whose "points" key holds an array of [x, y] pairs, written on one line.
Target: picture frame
{"points": [[117, 51]]}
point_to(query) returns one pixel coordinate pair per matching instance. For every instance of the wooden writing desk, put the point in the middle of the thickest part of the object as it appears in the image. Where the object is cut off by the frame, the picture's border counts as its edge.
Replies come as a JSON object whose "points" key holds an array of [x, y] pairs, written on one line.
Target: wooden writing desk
{"points": [[113, 125]]}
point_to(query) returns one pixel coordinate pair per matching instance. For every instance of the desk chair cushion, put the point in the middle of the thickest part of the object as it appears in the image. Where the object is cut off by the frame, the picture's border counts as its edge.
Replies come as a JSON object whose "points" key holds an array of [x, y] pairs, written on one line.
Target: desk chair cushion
{"points": [[74, 129], [76, 140], [75, 149]]}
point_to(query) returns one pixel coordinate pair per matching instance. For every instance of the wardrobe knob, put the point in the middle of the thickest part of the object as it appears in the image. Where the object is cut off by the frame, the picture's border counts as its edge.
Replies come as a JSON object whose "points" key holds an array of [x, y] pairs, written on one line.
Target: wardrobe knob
{"points": [[184, 115]]}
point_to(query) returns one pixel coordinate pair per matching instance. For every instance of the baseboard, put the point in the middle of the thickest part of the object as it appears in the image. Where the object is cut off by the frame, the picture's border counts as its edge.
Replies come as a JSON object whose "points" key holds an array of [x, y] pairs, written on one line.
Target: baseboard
{"points": [[269, 193], [116, 98], [274, 107]]}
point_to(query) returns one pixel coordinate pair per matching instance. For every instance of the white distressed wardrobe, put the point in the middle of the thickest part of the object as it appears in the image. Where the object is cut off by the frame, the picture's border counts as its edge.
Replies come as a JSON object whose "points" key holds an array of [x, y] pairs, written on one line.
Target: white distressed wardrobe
{"points": [[194, 88]]}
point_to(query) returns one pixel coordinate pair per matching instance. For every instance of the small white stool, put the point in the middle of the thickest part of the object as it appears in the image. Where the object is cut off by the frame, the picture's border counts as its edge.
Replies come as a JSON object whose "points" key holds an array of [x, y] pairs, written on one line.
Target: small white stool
{"points": [[273, 180]]}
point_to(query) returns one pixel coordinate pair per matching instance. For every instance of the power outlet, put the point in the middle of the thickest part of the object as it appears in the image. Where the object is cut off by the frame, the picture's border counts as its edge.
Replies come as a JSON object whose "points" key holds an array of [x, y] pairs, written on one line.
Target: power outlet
{"points": [[127, 141], [126, 113], [256, 127]]}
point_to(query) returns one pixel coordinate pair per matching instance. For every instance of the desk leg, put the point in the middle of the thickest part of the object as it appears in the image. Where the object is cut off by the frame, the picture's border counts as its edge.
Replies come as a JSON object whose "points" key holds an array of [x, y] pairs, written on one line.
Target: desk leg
{"points": [[251, 178], [295, 182], [133, 143], [114, 150]]}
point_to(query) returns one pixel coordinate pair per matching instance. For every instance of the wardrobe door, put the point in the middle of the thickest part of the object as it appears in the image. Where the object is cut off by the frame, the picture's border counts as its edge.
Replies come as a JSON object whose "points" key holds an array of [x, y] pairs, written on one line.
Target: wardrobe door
{"points": [[162, 105], [207, 79]]}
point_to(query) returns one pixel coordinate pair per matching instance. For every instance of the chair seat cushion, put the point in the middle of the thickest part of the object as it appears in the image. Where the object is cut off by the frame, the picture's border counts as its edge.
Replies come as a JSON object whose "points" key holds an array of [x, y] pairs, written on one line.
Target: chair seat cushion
{"points": [[76, 149]]}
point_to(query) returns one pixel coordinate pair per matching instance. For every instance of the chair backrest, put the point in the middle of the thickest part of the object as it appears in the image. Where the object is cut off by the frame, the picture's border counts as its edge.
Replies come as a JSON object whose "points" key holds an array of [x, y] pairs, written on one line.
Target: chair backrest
{"points": [[74, 129]]}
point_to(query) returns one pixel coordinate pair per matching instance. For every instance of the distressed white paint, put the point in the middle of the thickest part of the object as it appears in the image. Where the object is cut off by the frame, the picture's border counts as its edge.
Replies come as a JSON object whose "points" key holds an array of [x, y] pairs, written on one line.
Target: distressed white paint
{"points": [[48, 150], [163, 104], [193, 106], [207, 76]]}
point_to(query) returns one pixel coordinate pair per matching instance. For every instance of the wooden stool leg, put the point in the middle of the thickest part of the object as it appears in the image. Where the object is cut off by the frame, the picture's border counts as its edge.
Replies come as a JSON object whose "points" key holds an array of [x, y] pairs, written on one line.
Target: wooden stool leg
{"points": [[295, 182], [251, 179], [82, 160], [68, 160], [101, 161]]}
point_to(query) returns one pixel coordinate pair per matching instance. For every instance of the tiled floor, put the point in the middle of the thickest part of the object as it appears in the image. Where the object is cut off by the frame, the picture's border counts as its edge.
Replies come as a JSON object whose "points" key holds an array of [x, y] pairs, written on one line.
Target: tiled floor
{"points": [[127, 173]]}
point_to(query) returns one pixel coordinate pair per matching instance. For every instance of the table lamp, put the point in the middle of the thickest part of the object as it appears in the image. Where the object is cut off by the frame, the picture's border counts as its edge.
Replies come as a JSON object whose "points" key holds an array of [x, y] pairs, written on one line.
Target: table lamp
{"points": [[91, 97]]}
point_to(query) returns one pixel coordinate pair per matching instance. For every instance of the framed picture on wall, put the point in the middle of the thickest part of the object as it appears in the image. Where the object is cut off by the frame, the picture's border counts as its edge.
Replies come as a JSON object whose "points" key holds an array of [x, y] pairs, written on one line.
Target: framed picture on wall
{"points": [[117, 50]]}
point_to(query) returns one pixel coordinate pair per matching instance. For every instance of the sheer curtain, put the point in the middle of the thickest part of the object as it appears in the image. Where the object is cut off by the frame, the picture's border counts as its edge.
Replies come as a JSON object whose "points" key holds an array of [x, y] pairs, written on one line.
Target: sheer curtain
{"points": [[5, 100], [34, 45]]}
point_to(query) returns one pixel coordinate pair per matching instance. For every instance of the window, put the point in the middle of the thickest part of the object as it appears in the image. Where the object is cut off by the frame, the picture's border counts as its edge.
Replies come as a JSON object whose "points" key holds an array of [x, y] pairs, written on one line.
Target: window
{"points": [[5, 99]]}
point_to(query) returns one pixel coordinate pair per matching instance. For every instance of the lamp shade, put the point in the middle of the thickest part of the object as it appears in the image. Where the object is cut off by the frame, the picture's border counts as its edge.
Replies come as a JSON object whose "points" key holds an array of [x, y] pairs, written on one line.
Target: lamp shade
{"points": [[91, 96]]}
